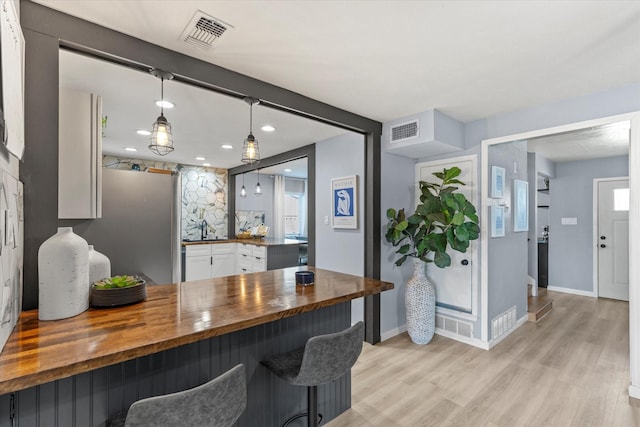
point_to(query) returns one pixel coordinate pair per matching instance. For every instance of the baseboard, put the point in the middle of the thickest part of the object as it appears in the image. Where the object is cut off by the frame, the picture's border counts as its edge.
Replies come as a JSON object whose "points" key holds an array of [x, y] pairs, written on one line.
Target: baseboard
{"points": [[634, 392], [521, 321], [465, 340], [531, 281], [572, 291], [393, 332]]}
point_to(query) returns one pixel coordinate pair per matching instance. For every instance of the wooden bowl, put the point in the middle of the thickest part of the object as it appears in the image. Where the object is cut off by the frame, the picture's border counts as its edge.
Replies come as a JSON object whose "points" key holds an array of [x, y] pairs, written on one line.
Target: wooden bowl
{"points": [[118, 296]]}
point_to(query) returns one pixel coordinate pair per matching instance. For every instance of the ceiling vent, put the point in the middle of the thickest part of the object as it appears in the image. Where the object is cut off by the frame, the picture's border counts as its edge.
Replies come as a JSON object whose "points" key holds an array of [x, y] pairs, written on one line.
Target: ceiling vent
{"points": [[203, 30], [404, 131]]}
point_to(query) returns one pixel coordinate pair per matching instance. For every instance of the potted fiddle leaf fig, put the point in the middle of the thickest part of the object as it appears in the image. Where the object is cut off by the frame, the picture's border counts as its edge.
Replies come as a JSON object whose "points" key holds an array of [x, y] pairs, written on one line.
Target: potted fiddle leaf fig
{"points": [[444, 220]]}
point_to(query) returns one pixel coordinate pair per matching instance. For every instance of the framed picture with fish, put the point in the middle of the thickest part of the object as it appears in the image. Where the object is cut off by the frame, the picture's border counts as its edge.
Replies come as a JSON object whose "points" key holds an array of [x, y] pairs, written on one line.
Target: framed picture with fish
{"points": [[344, 194]]}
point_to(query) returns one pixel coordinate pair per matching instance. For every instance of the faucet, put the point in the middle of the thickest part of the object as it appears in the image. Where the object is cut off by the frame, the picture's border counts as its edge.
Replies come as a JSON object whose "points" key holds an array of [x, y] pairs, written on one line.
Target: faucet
{"points": [[203, 229]]}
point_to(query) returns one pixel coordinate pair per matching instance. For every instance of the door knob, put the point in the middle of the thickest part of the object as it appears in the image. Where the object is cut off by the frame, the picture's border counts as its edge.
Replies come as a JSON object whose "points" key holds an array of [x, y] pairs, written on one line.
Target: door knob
{"points": [[602, 238], [464, 262], [603, 246]]}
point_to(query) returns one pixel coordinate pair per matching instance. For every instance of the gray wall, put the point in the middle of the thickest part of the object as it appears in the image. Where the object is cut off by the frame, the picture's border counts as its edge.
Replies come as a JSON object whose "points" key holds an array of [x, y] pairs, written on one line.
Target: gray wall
{"points": [[571, 246], [398, 191], [338, 249], [508, 254]]}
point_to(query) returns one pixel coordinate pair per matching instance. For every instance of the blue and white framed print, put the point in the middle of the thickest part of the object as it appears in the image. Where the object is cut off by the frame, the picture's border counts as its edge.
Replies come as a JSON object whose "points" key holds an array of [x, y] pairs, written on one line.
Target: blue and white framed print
{"points": [[520, 205], [497, 221], [497, 182], [344, 192]]}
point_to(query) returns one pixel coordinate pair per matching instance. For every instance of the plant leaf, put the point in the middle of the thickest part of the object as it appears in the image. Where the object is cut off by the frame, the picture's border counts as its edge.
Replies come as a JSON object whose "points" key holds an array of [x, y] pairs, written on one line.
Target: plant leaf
{"points": [[458, 218], [441, 259], [403, 249]]}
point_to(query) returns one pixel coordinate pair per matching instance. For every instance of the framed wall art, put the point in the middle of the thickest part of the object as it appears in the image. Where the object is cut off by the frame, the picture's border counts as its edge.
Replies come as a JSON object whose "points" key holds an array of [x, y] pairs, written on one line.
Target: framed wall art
{"points": [[497, 221], [497, 182], [520, 205], [344, 192]]}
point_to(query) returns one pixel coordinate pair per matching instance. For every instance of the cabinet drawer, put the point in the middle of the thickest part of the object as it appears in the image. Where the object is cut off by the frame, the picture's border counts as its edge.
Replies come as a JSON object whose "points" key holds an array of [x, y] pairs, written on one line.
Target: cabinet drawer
{"points": [[244, 248], [223, 248], [197, 250], [259, 264], [244, 267], [260, 251]]}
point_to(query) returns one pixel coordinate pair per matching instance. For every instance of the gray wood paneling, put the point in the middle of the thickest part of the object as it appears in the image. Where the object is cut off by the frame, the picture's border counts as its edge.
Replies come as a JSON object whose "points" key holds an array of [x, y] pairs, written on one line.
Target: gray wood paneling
{"points": [[89, 399]]}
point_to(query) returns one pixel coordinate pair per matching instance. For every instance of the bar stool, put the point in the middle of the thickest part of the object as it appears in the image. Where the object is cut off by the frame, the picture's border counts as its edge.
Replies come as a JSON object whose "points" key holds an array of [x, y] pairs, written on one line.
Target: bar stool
{"points": [[219, 403], [323, 359]]}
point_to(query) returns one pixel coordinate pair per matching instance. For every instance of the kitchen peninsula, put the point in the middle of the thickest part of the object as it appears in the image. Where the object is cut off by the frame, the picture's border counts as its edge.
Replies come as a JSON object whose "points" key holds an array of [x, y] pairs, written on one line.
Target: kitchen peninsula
{"points": [[81, 370]]}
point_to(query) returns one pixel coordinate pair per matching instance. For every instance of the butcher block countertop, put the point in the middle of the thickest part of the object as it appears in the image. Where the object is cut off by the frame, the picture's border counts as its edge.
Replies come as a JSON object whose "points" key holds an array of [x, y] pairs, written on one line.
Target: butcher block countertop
{"points": [[172, 315]]}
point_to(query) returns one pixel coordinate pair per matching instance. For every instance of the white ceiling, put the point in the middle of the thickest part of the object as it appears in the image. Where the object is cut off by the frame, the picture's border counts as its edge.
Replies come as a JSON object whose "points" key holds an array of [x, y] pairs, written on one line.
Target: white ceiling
{"points": [[389, 59]]}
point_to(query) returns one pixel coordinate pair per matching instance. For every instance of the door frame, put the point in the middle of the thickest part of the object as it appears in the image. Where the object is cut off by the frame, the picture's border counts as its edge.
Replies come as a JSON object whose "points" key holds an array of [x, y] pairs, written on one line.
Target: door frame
{"points": [[596, 181], [634, 227], [473, 316]]}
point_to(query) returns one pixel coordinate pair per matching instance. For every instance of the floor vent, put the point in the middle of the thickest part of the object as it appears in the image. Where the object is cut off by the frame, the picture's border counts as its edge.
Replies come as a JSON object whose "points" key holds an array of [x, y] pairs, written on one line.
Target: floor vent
{"points": [[203, 30], [404, 131], [454, 326], [501, 324]]}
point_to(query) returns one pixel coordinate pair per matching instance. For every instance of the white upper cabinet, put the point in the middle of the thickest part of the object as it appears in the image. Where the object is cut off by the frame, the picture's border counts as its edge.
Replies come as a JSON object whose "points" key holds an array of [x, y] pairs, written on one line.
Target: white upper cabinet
{"points": [[79, 155]]}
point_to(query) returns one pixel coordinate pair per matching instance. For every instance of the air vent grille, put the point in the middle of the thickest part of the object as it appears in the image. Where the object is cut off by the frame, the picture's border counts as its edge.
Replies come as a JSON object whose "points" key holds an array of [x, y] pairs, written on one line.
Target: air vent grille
{"points": [[454, 326], [203, 30], [404, 131]]}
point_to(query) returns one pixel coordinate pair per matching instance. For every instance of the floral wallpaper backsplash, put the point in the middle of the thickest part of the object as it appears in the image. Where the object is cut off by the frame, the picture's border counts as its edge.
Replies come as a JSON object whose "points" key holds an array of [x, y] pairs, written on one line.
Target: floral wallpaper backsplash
{"points": [[204, 195]]}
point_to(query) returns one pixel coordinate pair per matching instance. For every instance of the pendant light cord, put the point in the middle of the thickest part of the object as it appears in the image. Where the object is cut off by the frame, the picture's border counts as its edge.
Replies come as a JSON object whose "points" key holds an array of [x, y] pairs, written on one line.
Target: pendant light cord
{"points": [[251, 118], [162, 96]]}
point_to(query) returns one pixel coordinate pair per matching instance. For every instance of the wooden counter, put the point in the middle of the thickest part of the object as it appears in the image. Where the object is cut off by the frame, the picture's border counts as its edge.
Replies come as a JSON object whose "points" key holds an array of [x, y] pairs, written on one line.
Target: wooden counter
{"points": [[266, 241], [173, 315]]}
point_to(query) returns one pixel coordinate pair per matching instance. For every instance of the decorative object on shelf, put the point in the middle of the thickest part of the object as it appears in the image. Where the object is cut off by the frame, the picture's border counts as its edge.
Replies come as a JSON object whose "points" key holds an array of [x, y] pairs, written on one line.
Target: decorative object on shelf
{"points": [[243, 190], [497, 182], [161, 140], [118, 290], [250, 149], [258, 190], [99, 265], [259, 231], [305, 278], [443, 219], [344, 192], [520, 205], [63, 271]]}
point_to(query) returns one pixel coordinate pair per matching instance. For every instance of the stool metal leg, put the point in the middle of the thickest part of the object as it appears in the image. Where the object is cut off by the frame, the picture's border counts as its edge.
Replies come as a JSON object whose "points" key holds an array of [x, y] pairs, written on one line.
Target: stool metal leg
{"points": [[312, 402]]}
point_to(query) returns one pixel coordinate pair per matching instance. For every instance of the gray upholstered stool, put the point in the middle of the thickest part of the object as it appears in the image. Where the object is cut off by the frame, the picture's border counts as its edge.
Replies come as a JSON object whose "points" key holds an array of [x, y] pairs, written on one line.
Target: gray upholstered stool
{"points": [[218, 403], [323, 359]]}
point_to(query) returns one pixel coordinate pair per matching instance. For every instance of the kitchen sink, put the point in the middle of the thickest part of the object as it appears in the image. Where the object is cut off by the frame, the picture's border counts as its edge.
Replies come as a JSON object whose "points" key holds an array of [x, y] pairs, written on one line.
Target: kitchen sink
{"points": [[200, 240]]}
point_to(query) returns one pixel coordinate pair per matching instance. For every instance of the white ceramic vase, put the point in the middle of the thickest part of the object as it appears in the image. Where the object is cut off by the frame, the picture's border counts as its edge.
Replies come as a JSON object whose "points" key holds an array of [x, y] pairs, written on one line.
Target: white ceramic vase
{"points": [[99, 265], [420, 301], [63, 271]]}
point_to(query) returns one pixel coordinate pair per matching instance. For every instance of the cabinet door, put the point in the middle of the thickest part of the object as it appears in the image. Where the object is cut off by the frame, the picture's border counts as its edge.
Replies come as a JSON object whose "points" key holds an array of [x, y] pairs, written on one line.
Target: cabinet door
{"points": [[79, 155], [197, 267], [223, 265]]}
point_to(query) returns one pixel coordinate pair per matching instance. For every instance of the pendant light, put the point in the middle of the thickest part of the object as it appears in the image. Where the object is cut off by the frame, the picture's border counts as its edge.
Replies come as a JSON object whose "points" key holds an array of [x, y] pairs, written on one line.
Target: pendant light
{"points": [[250, 150], [258, 190], [243, 190], [161, 140]]}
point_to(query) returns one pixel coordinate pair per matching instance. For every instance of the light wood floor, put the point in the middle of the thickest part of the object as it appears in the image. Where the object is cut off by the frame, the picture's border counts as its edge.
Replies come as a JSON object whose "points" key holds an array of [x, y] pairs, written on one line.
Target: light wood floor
{"points": [[569, 369]]}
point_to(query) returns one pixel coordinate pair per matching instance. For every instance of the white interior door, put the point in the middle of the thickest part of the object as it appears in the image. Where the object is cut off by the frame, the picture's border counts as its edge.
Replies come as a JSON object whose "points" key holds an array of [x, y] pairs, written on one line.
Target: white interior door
{"points": [[454, 284], [613, 239]]}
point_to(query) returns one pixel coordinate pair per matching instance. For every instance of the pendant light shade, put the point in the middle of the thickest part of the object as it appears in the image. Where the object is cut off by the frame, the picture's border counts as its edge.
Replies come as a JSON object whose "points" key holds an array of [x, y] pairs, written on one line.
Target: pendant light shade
{"points": [[161, 140], [250, 149], [258, 190], [243, 190]]}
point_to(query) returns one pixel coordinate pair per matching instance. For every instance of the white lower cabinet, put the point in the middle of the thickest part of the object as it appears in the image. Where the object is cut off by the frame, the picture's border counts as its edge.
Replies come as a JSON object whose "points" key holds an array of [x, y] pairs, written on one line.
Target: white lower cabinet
{"points": [[205, 261], [251, 258]]}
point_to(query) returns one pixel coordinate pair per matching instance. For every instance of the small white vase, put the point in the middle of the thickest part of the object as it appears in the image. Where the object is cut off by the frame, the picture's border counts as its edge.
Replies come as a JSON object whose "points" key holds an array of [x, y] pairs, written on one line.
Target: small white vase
{"points": [[99, 265], [420, 302], [63, 271]]}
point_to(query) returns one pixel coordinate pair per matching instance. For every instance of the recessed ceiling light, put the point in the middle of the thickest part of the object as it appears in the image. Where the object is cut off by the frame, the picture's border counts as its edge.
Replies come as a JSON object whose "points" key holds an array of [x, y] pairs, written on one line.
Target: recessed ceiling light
{"points": [[287, 170], [200, 158], [165, 104], [268, 128], [143, 132], [227, 146], [130, 149], [206, 164]]}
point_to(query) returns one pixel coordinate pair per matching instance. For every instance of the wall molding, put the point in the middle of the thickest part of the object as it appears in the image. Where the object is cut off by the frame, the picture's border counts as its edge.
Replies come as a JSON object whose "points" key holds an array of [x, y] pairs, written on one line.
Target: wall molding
{"points": [[572, 291], [393, 332]]}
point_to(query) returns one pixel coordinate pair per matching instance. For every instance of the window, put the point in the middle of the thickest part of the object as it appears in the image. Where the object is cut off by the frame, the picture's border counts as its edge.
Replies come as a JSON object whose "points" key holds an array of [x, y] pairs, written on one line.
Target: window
{"points": [[621, 199]]}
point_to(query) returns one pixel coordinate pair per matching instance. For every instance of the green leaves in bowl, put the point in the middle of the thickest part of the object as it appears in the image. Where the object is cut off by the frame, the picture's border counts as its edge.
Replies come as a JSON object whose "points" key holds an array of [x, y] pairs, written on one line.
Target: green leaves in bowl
{"points": [[116, 282]]}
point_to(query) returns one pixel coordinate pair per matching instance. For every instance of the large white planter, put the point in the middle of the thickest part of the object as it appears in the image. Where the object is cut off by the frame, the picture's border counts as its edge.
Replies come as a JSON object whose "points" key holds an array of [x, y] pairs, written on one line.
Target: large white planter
{"points": [[99, 265], [420, 301], [63, 270]]}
